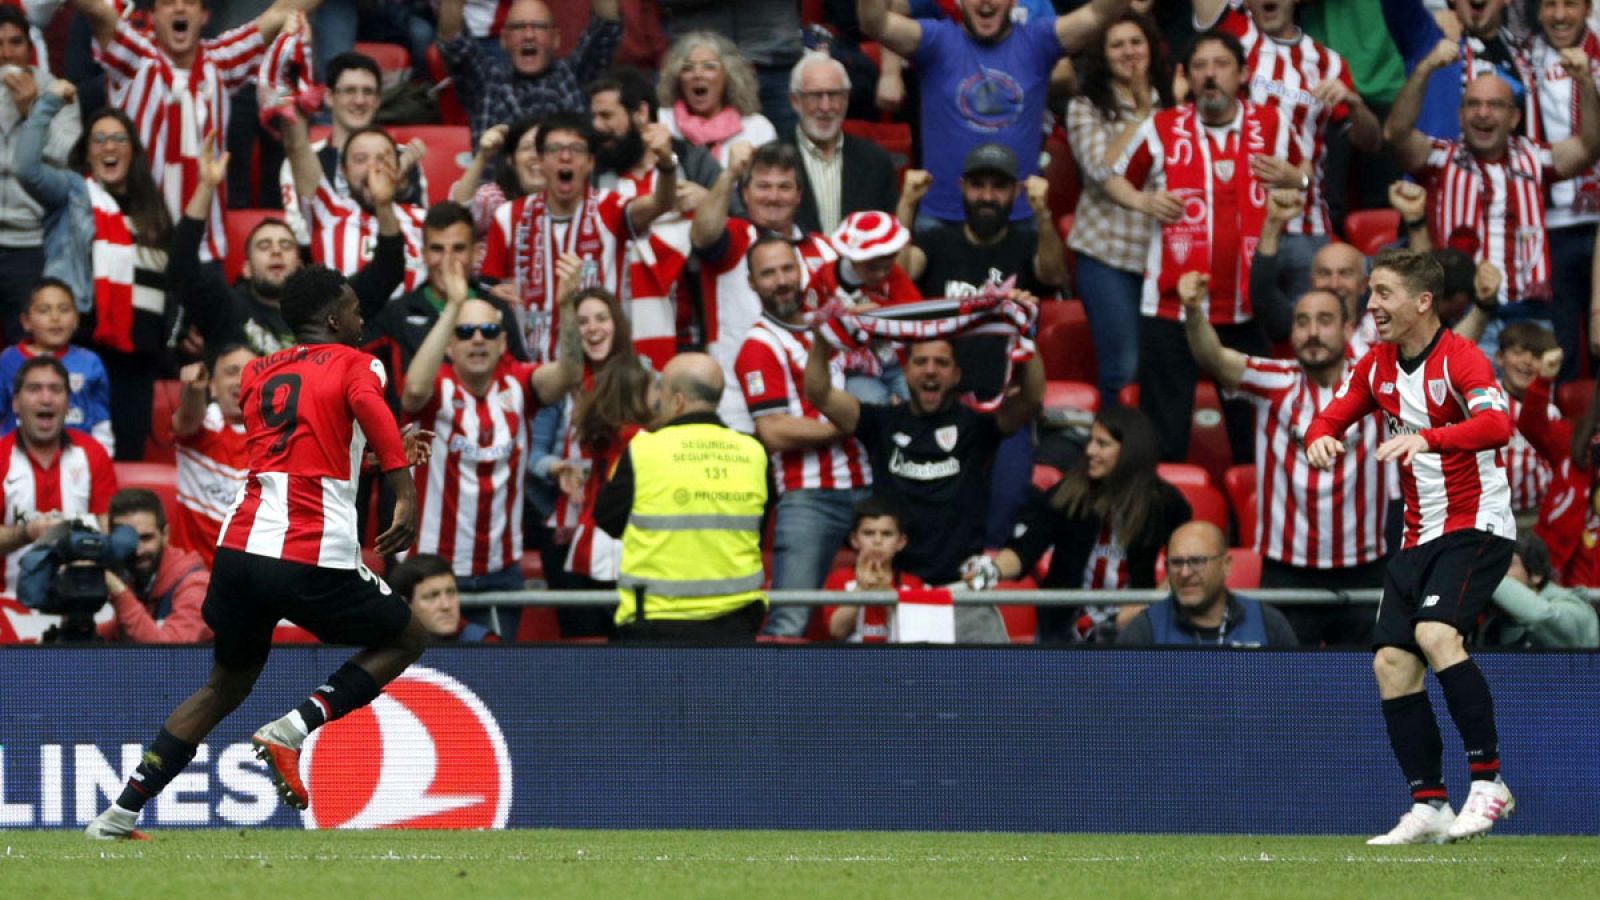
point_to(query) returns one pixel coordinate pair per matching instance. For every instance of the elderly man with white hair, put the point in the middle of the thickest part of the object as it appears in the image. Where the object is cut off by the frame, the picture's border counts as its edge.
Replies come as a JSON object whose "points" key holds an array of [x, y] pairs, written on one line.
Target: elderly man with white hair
{"points": [[843, 173]]}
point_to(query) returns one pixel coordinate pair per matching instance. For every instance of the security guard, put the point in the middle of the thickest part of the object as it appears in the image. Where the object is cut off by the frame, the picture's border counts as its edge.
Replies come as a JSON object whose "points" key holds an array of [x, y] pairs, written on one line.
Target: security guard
{"points": [[687, 500]]}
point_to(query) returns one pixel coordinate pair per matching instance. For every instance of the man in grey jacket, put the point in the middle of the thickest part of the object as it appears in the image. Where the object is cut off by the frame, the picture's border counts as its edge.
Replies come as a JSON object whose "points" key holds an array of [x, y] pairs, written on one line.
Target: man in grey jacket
{"points": [[21, 216]]}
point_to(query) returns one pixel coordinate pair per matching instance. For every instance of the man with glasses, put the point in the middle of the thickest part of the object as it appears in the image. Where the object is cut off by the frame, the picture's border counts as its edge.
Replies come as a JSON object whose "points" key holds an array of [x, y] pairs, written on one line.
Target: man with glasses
{"points": [[844, 173], [1488, 188], [477, 405], [531, 83], [1200, 611], [354, 84]]}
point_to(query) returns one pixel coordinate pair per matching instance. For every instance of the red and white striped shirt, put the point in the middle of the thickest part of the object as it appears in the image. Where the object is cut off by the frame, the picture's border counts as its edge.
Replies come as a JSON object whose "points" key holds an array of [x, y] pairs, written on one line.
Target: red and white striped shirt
{"points": [[1283, 73], [771, 368], [732, 307], [595, 554], [1575, 201], [174, 109], [470, 492], [518, 241], [1452, 400], [79, 481], [1308, 517], [344, 236], [1494, 210], [651, 274], [212, 465], [309, 412], [1107, 565], [1526, 471]]}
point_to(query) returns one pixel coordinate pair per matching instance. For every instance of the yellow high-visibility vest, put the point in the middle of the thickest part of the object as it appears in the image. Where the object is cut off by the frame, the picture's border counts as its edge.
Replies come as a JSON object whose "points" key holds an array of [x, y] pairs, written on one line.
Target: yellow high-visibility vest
{"points": [[692, 547]]}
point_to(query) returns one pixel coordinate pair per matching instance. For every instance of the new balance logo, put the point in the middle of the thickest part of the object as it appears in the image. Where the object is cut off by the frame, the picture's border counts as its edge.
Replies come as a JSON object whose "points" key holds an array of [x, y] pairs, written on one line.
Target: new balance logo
{"points": [[1430, 600]]}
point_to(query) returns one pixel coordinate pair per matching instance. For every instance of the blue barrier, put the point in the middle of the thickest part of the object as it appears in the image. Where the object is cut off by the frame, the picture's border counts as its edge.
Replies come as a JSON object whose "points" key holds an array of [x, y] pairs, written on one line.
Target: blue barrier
{"points": [[1013, 739]]}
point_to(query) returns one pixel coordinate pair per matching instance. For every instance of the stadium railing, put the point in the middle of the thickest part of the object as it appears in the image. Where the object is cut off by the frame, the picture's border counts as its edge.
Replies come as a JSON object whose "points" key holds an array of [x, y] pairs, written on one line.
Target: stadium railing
{"points": [[1277, 597]]}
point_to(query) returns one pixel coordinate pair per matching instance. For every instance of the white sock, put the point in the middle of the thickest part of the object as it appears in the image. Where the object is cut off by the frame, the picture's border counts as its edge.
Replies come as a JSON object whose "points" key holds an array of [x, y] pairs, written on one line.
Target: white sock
{"points": [[296, 726]]}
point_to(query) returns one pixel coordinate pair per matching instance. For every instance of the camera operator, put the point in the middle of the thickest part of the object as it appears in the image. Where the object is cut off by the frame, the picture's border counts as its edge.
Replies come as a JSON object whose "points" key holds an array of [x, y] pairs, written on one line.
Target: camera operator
{"points": [[47, 472], [160, 600]]}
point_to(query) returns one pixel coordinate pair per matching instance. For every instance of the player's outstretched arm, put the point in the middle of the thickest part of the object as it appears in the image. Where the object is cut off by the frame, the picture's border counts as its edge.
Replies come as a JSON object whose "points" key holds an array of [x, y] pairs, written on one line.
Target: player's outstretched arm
{"points": [[1354, 400]]}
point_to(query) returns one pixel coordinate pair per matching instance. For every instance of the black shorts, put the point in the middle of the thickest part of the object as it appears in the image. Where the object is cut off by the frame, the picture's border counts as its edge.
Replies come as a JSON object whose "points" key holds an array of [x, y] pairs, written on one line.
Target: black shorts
{"points": [[1448, 579], [250, 593]]}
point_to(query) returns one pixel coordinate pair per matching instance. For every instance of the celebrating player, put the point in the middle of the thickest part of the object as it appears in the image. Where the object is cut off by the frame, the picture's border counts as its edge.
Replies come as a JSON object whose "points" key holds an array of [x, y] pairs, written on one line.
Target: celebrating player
{"points": [[289, 547], [1447, 420]]}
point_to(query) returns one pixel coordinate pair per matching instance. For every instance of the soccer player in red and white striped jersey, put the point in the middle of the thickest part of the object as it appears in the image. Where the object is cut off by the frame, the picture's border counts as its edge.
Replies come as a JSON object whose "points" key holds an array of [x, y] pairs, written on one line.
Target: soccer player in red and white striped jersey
{"points": [[1447, 421], [290, 548], [1313, 528], [213, 453], [770, 178], [1308, 82], [47, 471], [178, 88], [530, 234], [1488, 188], [478, 405], [820, 472]]}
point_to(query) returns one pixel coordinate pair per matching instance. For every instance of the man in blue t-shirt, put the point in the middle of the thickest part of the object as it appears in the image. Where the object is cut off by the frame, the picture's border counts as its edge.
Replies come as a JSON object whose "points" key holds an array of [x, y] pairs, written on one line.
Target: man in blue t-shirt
{"points": [[984, 80]]}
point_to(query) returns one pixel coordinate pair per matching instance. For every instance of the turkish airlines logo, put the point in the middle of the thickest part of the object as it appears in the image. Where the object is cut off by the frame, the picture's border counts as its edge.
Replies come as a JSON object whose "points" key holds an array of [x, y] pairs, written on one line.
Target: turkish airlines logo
{"points": [[425, 754]]}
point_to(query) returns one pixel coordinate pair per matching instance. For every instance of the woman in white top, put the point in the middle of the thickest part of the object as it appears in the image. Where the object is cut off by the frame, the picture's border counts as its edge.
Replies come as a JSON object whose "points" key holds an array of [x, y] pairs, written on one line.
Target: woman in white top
{"points": [[709, 95]]}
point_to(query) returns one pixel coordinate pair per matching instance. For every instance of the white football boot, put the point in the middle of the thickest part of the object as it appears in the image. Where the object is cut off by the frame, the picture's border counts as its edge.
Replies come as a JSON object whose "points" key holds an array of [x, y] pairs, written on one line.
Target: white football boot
{"points": [[1489, 802], [1423, 824]]}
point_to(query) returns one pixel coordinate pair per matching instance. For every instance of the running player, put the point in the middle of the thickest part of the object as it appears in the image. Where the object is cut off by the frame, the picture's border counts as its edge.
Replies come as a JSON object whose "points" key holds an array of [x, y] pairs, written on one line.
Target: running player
{"points": [[1448, 421], [290, 549]]}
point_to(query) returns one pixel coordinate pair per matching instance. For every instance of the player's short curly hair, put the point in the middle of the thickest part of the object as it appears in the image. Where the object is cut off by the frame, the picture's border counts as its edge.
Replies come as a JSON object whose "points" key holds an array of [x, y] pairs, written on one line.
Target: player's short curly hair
{"points": [[308, 294]]}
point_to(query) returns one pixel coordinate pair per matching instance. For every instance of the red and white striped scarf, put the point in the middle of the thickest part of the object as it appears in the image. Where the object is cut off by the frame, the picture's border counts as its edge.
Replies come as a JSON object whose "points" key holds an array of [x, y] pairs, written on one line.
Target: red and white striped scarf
{"points": [[286, 81], [536, 256], [1463, 192], [114, 255]]}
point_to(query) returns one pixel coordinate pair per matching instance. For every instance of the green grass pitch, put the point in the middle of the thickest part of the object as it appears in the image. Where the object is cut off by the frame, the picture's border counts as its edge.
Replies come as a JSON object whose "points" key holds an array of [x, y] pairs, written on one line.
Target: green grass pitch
{"points": [[215, 865]]}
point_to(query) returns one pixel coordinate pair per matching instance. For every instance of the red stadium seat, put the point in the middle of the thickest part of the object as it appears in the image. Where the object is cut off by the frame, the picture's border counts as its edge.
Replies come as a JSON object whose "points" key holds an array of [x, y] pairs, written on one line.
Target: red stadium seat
{"points": [[1239, 483], [162, 478], [532, 566], [1022, 622], [1574, 397], [451, 112], [1062, 173], [893, 137], [1207, 504], [1208, 433], [238, 223], [538, 624], [1071, 395], [1065, 345], [393, 60], [1246, 572], [449, 152], [161, 446], [1184, 473], [1370, 229]]}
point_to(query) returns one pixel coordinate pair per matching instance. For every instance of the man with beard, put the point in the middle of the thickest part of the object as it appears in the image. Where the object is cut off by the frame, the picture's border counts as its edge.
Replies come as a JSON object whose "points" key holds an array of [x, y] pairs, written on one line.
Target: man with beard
{"points": [[1485, 46], [769, 180], [983, 81], [932, 458], [531, 83], [844, 173], [1489, 188], [246, 313], [178, 87], [958, 259], [355, 85], [1206, 167], [213, 453], [1302, 546], [160, 600], [820, 472], [531, 234]]}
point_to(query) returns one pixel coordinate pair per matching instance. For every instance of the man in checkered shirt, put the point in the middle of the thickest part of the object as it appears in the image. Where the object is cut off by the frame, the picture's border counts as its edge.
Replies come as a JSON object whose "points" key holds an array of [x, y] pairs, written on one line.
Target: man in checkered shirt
{"points": [[533, 83]]}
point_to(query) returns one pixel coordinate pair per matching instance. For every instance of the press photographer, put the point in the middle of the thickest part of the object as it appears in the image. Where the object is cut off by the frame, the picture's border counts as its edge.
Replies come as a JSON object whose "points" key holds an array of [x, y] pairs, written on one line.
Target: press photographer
{"points": [[158, 594]]}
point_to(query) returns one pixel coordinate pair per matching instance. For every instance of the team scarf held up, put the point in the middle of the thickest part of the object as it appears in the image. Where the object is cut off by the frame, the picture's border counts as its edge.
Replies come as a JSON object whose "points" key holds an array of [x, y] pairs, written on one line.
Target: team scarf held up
{"points": [[992, 312], [536, 256], [117, 292], [286, 82]]}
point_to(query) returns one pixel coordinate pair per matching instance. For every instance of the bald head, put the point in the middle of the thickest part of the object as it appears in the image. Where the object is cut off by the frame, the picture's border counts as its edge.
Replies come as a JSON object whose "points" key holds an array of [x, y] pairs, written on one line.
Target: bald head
{"points": [[691, 382], [1196, 537], [1489, 114], [1341, 270]]}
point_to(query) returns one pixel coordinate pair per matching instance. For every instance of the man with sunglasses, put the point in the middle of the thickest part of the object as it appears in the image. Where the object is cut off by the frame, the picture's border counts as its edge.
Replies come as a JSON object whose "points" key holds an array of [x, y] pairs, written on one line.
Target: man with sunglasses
{"points": [[1200, 611], [478, 405]]}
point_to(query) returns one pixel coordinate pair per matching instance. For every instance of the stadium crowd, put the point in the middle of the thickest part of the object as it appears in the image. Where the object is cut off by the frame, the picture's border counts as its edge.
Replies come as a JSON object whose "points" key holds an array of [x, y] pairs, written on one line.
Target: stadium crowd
{"points": [[1150, 222]]}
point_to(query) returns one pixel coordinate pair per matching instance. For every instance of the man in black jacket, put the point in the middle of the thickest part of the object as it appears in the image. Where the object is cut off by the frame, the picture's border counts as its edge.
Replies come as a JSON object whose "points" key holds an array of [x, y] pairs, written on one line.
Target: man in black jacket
{"points": [[843, 173]]}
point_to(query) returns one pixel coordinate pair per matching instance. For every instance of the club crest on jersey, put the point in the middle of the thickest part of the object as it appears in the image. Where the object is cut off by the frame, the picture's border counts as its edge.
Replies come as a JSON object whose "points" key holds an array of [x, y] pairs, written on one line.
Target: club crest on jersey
{"points": [[1180, 247], [1224, 169], [1437, 390], [946, 438]]}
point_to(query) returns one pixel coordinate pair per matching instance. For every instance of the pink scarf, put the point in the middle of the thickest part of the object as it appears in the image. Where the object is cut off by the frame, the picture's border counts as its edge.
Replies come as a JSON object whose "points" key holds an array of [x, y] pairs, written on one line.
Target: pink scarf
{"points": [[708, 133]]}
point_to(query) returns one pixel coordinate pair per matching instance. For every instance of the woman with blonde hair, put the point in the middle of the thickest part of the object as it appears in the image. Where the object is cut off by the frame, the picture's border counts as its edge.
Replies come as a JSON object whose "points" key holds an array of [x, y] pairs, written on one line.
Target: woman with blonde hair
{"points": [[710, 97]]}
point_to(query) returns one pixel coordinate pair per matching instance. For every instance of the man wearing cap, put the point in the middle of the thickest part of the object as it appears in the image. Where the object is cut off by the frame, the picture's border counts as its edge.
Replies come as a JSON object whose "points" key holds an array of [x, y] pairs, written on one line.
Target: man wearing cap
{"points": [[843, 173], [867, 276], [958, 259], [819, 472]]}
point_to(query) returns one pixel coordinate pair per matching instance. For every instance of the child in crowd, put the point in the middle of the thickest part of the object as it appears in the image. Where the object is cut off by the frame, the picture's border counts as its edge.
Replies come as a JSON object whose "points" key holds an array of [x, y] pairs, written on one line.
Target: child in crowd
{"points": [[51, 319], [876, 536]]}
